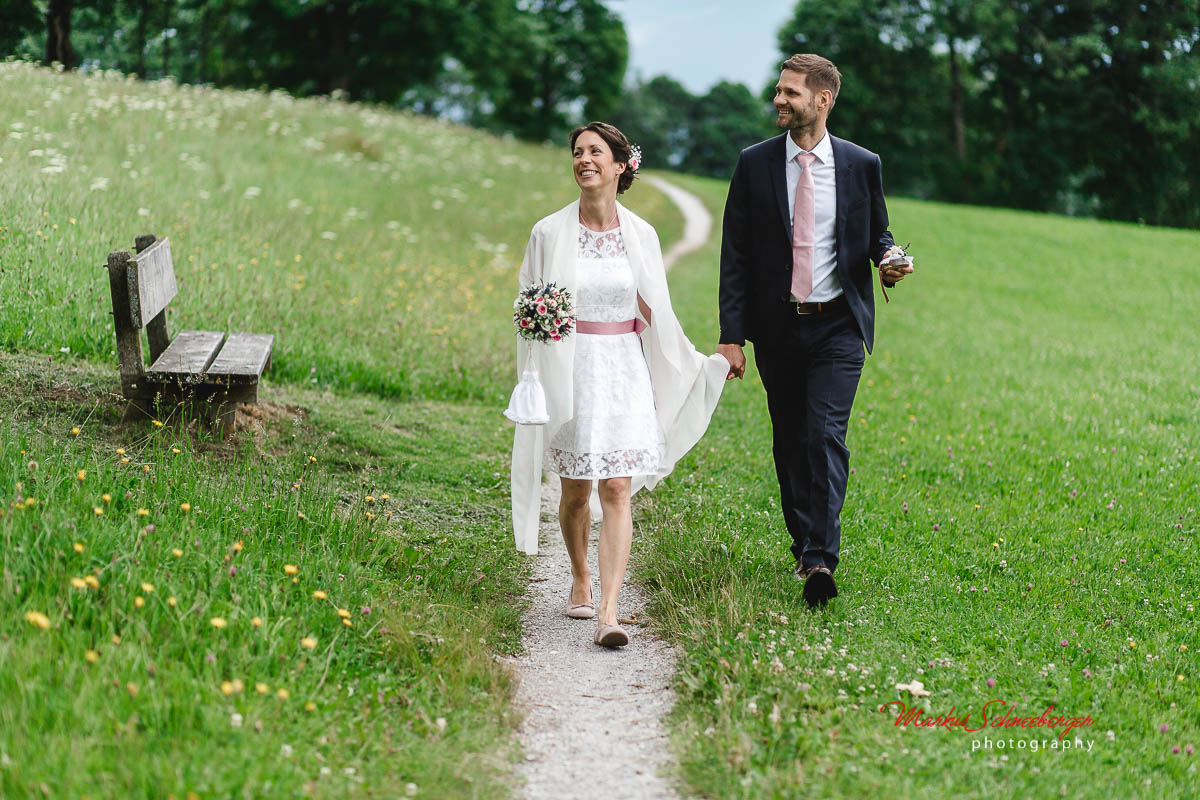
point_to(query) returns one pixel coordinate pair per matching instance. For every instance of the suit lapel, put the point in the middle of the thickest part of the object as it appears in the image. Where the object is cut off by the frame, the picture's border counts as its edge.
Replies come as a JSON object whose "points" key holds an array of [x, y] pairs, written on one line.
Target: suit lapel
{"points": [[778, 172], [843, 168]]}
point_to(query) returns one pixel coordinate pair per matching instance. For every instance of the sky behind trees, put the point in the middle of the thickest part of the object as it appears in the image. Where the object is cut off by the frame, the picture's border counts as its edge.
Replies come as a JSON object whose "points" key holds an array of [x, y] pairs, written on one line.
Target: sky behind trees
{"points": [[701, 42]]}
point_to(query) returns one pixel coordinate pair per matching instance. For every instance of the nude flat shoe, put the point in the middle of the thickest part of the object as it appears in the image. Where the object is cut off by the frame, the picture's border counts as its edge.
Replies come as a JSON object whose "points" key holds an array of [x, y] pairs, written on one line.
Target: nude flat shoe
{"points": [[580, 610], [611, 636]]}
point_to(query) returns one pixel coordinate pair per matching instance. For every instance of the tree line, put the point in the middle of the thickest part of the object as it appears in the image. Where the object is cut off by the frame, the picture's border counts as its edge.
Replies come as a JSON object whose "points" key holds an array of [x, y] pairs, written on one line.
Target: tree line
{"points": [[1076, 106]]}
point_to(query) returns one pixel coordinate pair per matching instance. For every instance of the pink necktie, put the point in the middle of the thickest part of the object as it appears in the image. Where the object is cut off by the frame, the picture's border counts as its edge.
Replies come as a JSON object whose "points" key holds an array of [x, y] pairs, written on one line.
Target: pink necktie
{"points": [[803, 226]]}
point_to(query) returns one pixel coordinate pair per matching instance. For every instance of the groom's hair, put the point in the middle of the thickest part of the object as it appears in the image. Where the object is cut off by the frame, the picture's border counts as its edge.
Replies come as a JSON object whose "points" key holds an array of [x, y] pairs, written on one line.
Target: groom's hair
{"points": [[621, 149], [820, 73]]}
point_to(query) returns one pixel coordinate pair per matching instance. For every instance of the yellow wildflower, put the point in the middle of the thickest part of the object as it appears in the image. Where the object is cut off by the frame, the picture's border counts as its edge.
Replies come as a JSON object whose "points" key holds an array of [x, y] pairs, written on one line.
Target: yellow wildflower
{"points": [[185, 507], [92, 656], [261, 688], [138, 601], [310, 706], [238, 685], [226, 688], [120, 451], [37, 619], [116, 639], [81, 475], [30, 502], [312, 459], [106, 497], [143, 512], [342, 612], [347, 623], [175, 551], [256, 622], [369, 499], [283, 694], [171, 601], [175, 450], [92, 581], [320, 595], [290, 569], [300, 514], [98, 511], [147, 587], [385, 497], [125, 460], [157, 424], [132, 688], [309, 642], [237, 547], [77, 547], [218, 622], [75, 431], [79, 583], [146, 467]]}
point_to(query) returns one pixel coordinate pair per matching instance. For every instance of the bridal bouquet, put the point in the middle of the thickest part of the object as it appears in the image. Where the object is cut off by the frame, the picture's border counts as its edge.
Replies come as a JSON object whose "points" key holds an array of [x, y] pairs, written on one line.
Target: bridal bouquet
{"points": [[542, 312]]}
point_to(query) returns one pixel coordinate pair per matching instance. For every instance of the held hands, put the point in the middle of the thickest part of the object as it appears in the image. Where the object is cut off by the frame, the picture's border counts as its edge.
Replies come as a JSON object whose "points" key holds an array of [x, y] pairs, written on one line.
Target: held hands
{"points": [[736, 358], [895, 264]]}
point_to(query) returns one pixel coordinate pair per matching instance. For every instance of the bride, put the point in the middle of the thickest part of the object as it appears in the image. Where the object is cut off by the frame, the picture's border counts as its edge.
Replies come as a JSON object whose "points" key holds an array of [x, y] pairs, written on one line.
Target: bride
{"points": [[627, 396]]}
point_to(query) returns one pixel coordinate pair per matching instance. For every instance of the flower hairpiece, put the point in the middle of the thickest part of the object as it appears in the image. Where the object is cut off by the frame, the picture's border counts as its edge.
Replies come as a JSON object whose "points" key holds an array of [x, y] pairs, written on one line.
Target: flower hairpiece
{"points": [[635, 157]]}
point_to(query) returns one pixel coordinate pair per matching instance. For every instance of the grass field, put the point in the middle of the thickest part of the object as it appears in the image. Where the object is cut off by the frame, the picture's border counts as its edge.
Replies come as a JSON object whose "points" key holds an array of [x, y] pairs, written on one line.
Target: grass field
{"points": [[314, 606], [1021, 526]]}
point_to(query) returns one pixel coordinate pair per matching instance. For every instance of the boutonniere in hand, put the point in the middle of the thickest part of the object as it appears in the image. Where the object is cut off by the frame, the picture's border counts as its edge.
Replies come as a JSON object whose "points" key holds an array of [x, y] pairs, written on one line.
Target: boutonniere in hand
{"points": [[896, 263]]}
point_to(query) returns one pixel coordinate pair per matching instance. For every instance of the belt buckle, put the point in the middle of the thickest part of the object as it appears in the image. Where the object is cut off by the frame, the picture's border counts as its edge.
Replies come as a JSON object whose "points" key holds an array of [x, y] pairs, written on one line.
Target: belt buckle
{"points": [[800, 313]]}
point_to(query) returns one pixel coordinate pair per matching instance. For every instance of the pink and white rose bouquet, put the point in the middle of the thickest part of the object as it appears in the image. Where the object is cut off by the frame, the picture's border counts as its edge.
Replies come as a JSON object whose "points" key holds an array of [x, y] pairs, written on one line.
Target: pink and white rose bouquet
{"points": [[543, 312]]}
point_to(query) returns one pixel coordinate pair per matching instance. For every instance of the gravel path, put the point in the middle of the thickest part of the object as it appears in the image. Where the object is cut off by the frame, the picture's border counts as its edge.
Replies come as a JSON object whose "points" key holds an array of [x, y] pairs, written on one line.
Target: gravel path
{"points": [[593, 716]]}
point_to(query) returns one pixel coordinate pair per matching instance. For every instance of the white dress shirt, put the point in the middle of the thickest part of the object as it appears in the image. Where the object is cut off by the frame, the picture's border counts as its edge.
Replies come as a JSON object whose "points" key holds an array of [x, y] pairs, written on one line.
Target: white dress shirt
{"points": [[826, 285]]}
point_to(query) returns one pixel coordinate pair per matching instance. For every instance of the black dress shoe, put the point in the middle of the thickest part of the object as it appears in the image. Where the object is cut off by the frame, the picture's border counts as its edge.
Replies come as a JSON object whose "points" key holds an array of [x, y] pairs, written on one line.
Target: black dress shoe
{"points": [[819, 587]]}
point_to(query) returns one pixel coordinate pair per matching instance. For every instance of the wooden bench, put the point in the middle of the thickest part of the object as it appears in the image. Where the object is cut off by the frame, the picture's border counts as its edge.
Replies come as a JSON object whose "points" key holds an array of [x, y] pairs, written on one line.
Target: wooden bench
{"points": [[210, 370]]}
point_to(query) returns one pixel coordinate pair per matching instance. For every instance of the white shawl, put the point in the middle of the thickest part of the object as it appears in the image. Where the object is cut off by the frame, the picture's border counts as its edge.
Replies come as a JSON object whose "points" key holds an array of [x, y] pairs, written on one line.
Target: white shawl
{"points": [[687, 384]]}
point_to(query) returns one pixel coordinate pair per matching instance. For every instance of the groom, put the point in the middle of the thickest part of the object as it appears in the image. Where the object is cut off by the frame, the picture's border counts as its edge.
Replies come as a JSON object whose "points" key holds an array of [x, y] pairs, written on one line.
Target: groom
{"points": [[804, 218]]}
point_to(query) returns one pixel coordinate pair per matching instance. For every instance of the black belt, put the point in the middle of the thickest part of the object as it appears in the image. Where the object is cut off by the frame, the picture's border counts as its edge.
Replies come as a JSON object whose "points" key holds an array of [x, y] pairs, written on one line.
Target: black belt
{"points": [[804, 309]]}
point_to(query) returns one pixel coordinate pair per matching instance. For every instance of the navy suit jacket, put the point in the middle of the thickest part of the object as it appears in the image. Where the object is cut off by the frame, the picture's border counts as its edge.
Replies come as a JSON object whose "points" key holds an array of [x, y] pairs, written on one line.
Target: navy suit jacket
{"points": [[756, 246]]}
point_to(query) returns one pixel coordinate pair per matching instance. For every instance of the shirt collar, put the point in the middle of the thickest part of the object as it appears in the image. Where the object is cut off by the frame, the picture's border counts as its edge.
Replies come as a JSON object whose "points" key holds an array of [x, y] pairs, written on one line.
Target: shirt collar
{"points": [[823, 151]]}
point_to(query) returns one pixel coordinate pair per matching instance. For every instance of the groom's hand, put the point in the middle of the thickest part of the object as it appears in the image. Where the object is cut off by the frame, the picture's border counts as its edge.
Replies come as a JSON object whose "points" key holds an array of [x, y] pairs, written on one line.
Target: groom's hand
{"points": [[736, 358], [894, 274]]}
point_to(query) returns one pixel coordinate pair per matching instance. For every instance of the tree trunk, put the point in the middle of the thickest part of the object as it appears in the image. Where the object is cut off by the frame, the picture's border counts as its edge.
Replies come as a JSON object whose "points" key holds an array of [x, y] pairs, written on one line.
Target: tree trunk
{"points": [[202, 56], [143, 19], [957, 126], [166, 34], [58, 33]]}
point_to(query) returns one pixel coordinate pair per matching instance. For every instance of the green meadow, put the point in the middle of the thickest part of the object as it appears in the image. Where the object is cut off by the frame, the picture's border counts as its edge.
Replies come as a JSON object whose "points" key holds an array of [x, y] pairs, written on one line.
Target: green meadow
{"points": [[1021, 526], [314, 606]]}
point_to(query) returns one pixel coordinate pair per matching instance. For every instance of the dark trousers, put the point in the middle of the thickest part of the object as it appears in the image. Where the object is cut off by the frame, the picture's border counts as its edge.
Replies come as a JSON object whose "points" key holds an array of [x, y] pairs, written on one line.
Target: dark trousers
{"points": [[811, 375]]}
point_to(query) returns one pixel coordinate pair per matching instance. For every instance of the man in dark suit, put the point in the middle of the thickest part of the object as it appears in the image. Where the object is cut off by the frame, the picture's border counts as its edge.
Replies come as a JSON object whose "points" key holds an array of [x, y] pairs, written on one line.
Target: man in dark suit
{"points": [[804, 218]]}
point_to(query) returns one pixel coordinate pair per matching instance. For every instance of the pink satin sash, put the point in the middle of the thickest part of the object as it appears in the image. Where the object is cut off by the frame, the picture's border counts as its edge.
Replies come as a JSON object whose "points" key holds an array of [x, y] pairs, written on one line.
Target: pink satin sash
{"points": [[610, 328]]}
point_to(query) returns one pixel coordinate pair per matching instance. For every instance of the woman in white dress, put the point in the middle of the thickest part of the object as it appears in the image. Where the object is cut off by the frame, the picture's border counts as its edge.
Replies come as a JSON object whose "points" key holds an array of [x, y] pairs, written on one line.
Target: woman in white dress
{"points": [[627, 395]]}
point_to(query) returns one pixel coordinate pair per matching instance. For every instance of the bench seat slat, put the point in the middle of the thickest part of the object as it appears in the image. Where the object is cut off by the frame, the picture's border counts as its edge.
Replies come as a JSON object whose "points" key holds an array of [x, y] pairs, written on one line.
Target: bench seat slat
{"points": [[243, 358], [188, 356]]}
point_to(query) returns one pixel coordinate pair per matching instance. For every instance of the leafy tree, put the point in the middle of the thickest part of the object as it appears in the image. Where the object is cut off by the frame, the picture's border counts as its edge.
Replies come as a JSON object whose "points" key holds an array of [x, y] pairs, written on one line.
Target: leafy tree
{"points": [[657, 115], [552, 61], [728, 119]]}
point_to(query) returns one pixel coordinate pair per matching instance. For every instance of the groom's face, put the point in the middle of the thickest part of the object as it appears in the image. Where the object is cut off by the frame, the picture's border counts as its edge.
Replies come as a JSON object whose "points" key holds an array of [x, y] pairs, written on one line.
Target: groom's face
{"points": [[796, 106]]}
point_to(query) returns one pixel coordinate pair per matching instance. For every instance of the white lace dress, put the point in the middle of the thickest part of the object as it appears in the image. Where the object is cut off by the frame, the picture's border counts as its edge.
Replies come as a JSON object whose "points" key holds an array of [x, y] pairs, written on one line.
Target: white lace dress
{"points": [[614, 431]]}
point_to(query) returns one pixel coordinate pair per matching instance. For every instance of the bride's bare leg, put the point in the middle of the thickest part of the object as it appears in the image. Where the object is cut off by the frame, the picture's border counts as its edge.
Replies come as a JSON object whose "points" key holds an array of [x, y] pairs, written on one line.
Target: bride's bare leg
{"points": [[616, 536], [576, 521]]}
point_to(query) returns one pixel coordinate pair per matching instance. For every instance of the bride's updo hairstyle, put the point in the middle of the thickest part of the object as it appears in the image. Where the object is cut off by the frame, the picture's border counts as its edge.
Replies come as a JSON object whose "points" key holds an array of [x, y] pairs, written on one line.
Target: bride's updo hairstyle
{"points": [[621, 149]]}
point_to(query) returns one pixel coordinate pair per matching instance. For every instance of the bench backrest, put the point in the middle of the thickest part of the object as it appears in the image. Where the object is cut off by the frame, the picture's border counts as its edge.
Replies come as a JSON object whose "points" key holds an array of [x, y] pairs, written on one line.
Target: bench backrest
{"points": [[142, 285], [151, 280]]}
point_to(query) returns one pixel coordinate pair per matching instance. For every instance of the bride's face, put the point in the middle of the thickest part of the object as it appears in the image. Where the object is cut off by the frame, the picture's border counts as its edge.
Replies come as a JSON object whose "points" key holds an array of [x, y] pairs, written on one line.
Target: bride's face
{"points": [[594, 164]]}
